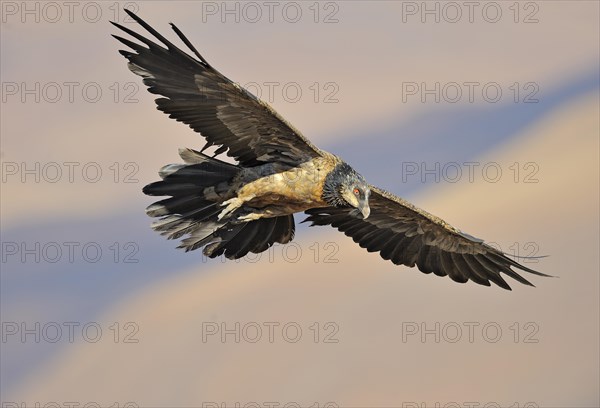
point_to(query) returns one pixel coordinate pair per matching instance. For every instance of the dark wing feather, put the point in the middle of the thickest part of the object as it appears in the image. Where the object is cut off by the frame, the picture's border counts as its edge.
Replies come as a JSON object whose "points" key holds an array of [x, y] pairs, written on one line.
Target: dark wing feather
{"points": [[407, 235], [227, 115]]}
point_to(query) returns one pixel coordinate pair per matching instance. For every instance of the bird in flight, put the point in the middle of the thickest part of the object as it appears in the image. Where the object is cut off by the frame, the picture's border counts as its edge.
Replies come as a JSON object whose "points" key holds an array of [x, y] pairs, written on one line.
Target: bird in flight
{"points": [[233, 209]]}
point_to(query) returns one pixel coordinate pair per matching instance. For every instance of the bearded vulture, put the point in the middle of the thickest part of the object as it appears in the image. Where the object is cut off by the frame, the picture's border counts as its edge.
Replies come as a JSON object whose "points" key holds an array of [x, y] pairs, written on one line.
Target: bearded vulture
{"points": [[233, 209]]}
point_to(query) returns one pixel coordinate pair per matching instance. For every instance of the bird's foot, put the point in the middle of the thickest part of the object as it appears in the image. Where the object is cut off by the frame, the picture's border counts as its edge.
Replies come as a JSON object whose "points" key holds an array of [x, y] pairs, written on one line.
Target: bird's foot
{"points": [[249, 217], [230, 206]]}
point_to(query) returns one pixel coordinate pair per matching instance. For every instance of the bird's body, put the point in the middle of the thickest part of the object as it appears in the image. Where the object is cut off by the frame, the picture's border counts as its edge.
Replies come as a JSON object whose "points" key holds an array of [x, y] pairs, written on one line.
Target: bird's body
{"points": [[232, 209], [276, 191]]}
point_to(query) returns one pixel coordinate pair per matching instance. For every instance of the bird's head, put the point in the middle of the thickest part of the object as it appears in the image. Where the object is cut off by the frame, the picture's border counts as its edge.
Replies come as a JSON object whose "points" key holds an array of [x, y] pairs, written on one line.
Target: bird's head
{"points": [[344, 187]]}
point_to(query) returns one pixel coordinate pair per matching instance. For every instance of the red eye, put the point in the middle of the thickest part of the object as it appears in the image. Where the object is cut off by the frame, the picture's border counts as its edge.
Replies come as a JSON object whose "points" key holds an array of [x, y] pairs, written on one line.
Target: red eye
{"points": [[356, 191]]}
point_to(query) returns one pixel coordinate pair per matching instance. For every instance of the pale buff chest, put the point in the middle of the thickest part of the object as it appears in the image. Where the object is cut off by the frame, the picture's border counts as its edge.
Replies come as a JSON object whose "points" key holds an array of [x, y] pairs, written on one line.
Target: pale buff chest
{"points": [[297, 189]]}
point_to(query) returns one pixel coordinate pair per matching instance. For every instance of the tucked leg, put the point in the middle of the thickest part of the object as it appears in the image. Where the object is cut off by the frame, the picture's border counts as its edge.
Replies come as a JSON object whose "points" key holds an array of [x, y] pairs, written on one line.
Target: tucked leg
{"points": [[233, 204], [250, 217]]}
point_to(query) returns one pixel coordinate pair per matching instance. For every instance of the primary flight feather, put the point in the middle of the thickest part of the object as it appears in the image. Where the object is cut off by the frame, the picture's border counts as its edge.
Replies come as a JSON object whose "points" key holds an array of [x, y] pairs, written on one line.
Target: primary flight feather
{"points": [[232, 209]]}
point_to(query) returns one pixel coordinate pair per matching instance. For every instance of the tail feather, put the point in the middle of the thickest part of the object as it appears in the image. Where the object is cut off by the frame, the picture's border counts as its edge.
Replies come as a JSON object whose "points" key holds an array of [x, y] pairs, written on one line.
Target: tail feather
{"points": [[189, 211], [236, 240], [202, 236], [176, 205], [264, 234], [242, 242], [284, 229], [176, 226], [168, 188]]}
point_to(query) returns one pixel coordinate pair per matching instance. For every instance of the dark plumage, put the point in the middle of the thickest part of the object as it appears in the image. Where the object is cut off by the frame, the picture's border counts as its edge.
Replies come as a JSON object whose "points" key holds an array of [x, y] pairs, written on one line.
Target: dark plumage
{"points": [[232, 209]]}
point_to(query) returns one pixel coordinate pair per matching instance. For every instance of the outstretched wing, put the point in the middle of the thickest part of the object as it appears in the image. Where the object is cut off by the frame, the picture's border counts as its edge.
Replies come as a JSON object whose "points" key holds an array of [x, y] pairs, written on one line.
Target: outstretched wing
{"points": [[227, 115], [407, 235]]}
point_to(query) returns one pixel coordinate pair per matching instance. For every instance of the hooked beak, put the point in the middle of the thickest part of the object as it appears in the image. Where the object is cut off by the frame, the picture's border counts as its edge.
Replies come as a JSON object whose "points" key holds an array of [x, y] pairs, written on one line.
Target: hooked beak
{"points": [[364, 208]]}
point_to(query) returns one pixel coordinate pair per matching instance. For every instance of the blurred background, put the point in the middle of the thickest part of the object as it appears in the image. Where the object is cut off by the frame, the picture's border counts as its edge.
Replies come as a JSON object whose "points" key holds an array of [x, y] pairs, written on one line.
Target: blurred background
{"points": [[483, 113]]}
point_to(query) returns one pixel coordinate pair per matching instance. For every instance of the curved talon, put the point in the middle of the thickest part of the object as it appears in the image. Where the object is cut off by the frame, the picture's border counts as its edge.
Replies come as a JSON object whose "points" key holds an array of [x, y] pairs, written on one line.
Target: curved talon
{"points": [[231, 205], [249, 217]]}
